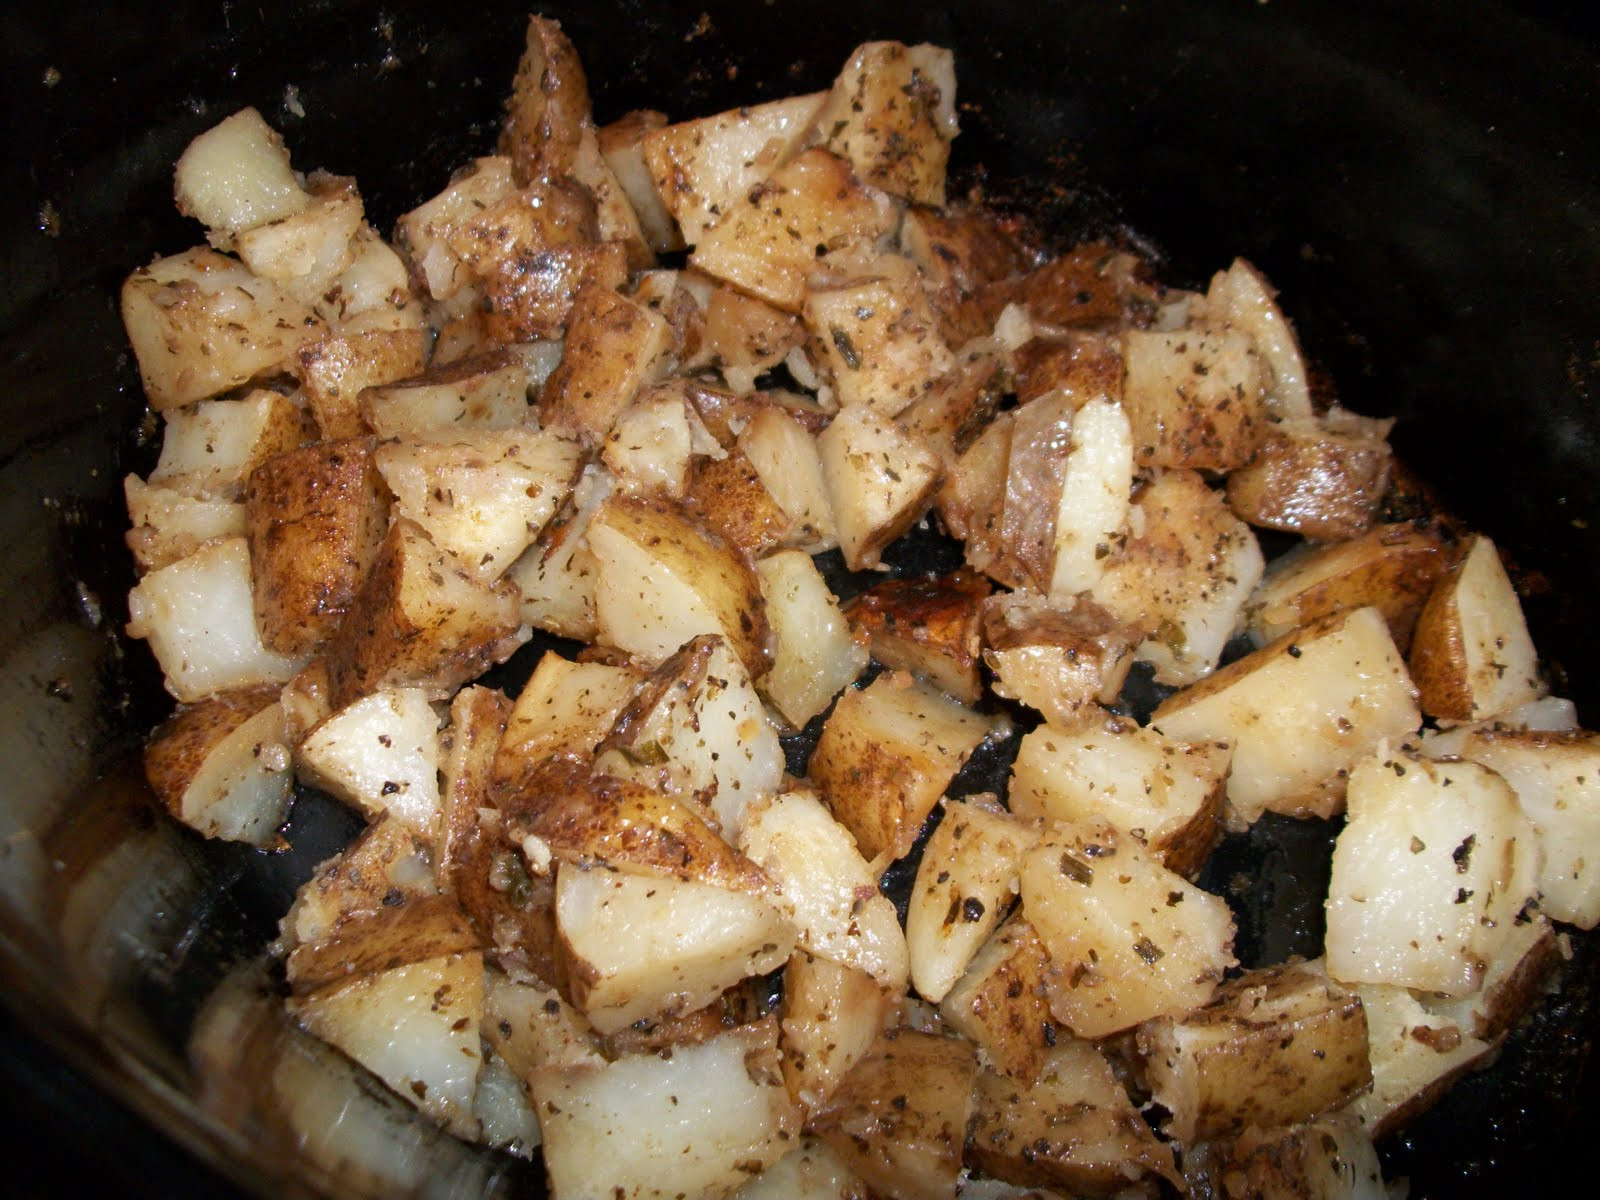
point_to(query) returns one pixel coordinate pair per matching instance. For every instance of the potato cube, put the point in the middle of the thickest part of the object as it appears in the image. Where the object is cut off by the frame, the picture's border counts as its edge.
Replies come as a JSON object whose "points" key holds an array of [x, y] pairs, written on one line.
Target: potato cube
{"points": [[745, 337], [1300, 713], [530, 294], [335, 370], [306, 251], [879, 482], [236, 176], [729, 497], [1241, 299], [1059, 660], [1001, 1002], [210, 448], [565, 708], [1162, 792], [1434, 865], [488, 391], [167, 524], [532, 1028], [1193, 399], [406, 929], [1322, 478], [222, 766], [1416, 1055], [380, 755], [929, 627], [1128, 939], [1092, 515], [612, 347], [817, 656], [832, 1015], [892, 114], [316, 518], [373, 294], [558, 573], [622, 146], [548, 108], [638, 945], [787, 461], [426, 231], [388, 862], [886, 754]]}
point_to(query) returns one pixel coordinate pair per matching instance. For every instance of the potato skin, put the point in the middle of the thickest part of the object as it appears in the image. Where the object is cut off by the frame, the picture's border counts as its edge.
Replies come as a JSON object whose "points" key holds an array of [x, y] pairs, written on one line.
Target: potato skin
{"points": [[315, 518], [548, 105], [178, 748]]}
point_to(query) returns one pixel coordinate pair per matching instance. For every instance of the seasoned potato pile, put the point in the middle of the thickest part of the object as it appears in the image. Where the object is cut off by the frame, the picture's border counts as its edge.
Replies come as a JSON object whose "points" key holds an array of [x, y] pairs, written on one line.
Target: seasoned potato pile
{"points": [[652, 392]]}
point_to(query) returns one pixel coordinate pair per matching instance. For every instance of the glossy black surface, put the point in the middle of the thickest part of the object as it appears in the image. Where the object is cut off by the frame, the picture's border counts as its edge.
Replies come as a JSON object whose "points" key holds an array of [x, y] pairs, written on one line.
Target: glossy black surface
{"points": [[1419, 181]]}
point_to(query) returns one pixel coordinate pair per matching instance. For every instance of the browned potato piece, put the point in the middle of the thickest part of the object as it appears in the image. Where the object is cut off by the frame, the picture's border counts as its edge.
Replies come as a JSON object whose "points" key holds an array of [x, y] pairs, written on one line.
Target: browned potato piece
{"points": [[878, 480], [891, 114], [926, 626], [388, 863], [480, 391], [615, 219], [972, 503], [1063, 661], [1276, 1046], [1082, 365], [744, 336], [566, 708], [949, 416], [622, 146], [549, 104], [410, 930], [1000, 1002], [1471, 655], [200, 323], [335, 370], [768, 242], [1391, 567], [221, 766], [468, 747], [1323, 480], [899, 1118], [544, 215], [959, 251], [316, 517], [530, 293], [1329, 1159], [1073, 1129], [832, 1015], [728, 496], [1416, 1055], [612, 344], [1194, 399], [210, 448], [420, 618], [1041, 438], [886, 754]]}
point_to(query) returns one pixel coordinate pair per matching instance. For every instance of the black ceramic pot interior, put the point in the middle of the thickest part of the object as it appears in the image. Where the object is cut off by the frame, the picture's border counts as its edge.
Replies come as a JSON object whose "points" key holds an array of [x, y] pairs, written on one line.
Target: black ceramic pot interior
{"points": [[1421, 186]]}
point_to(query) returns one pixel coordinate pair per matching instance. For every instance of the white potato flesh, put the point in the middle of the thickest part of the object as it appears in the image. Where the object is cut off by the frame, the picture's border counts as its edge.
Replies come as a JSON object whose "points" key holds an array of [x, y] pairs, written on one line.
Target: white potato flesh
{"points": [[373, 293], [211, 447], [892, 114], [1413, 1051], [878, 481], [495, 397], [557, 576], [505, 1115], [1557, 781], [565, 707], [306, 250], [1240, 298], [811, 1171], [1433, 866], [387, 858], [1300, 713], [167, 523], [650, 446], [198, 614], [426, 230], [236, 175], [702, 168], [621, 144], [381, 755], [242, 791], [415, 1027], [965, 884], [532, 1028], [817, 655], [832, 1015], [640, 946], [483, 495], [1092, 516], [1128, 939], [1548, 714], [696, 1122], [825, 886], [789, 465]]}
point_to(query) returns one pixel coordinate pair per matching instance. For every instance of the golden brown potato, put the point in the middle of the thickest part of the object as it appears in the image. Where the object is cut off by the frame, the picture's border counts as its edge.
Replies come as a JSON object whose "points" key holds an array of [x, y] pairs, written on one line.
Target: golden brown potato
{"points": [[316, 517], [879, 482], [565, 709], [612, 345], [1041, 438], [929, 627], [948, 416], [387, 864], [1083, 365], [972, 503], [421, 618], [1324, 480], [899, 1118], [622, 146], [729, 498], [959, 250], [209, 449], [1063, 661], [1194, 399], [334, 371], [548, 106], [891, 114], [1000, 1002], [743, 336], [832, 1015], [469, 747], [530, 293], [486, 390], [410, 930], [1090, 285]]}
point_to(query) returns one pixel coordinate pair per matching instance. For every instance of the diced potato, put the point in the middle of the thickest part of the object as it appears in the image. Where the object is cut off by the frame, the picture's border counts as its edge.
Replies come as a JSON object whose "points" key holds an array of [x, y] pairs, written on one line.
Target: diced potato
{"points": [[811, 1171], [826, 887], [1300, 713], [236, 176], [548, 108], [531, 294], [307, 250], [972, 503], [959, 249], [1415, 1055], [639, 946], [1183, 578], [879, 482], [1074, 1128], [380, 754], [425, 232], [899, 1118], [651, 446], [421, 617], [622, 145], [1276, 1046], [613, 344], [965, 884], [1059, 660], [1193, 398], [1329, 1159], [167, 524], [1515, 980], [886, 754], [335, 370], [1001, 1003], [482, 495], [1092, 516], [744, 337], [697, 729], [1085, 366], [1041, 440], [662, 580], [766, 243], [892, 114], [1556, 777], [929, 627], [200, 324], [211, 447], [817, 656], [316, 518], [198, 614], [878, 337], [832, 1015], [405, 929], [1162, 792], [415, 1027], [1322, 478], [1091, 286], [222, 767], [487, 391], [373, 294], [565, 708], [787, 460], [615, 220], [697, 1122], [387, 862], [532, 1028], [467, 749], [1471, 655], [702, 169], [1128, 939], [557, 575], [504, 1112], [1549, 714], [1390, 567], [949, 416], [1241, 299], [1430, 872], [729, 497]]}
